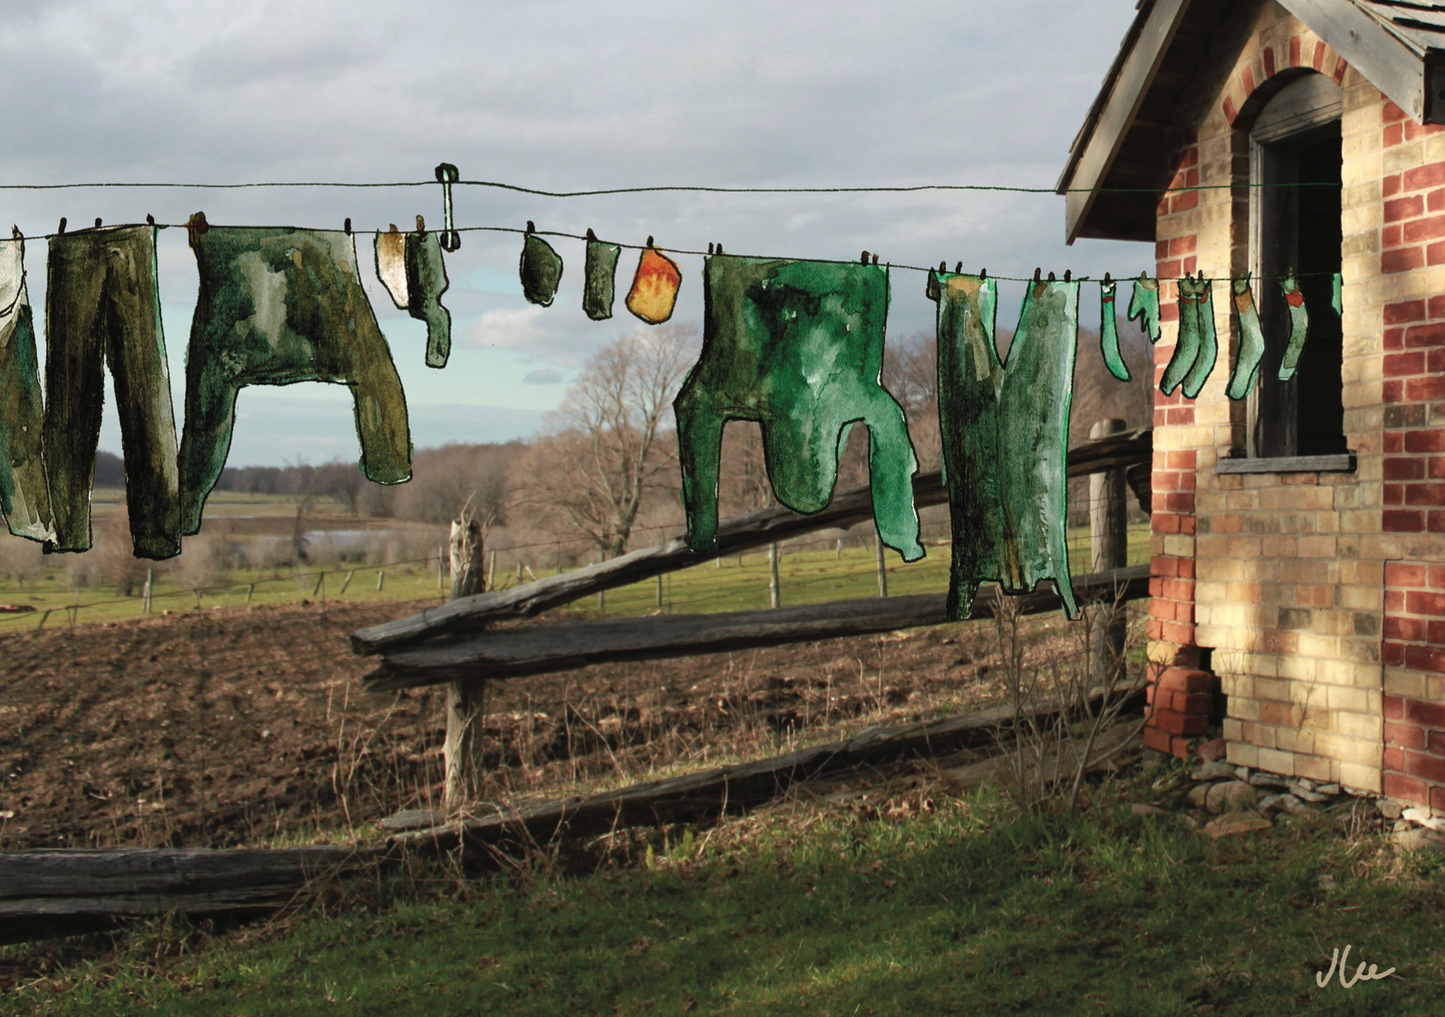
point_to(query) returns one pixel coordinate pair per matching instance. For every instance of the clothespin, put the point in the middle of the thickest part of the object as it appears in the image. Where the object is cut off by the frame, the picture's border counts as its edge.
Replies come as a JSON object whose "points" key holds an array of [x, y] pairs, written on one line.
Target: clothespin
{"points": [[1036, 273], [942, 267], [347, 226], [62, 225], [649, 239], [150, 219], [1068, 272], [447, 174], [394, 229], [593, 236], [958, 269], [1051, 277], [532, 228], [719, 247], [865, 257], [875, 258], [97, 222], [420, 224], [197, 226], [1107, 280], [15, 233]]}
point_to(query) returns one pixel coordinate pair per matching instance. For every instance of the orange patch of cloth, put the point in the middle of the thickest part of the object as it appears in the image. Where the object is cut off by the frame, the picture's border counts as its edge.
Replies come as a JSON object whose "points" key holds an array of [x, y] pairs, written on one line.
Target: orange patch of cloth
{"points": [[654, 287]]}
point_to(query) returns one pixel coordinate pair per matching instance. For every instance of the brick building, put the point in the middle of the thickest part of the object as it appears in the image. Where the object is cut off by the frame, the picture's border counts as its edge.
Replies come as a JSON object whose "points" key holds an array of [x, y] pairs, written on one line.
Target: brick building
{"points": [[1298, 558]]}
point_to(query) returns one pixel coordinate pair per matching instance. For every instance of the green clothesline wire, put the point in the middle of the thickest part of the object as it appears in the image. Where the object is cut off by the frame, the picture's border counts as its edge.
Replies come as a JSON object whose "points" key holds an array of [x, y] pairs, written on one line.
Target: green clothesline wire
{"points": [[682, 250], [499, 185], [685, 251]]}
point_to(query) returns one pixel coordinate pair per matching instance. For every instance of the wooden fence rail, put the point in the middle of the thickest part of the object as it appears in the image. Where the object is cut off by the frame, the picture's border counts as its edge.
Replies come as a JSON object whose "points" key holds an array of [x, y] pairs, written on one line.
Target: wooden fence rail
{"points": [[67, 890], [756, 529], [547, 649]]}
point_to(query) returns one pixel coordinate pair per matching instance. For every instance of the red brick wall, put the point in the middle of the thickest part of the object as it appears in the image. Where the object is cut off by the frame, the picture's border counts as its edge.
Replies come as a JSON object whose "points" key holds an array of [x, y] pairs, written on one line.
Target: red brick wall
{"points": [[1412, 236]]}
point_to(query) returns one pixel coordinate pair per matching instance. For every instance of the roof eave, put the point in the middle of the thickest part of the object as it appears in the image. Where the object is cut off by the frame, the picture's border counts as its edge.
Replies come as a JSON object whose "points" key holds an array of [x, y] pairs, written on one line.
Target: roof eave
{"points": [[1120, 97]]}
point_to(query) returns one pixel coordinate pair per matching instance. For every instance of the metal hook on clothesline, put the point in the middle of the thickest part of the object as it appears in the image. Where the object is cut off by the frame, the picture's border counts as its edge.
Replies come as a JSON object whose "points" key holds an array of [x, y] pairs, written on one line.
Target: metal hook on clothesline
{"points": [[447, 174]]}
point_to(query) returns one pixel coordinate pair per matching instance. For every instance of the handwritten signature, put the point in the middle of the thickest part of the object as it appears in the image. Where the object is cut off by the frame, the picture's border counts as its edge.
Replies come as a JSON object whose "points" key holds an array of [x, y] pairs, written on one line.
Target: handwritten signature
{"points": [[1342, 961]]}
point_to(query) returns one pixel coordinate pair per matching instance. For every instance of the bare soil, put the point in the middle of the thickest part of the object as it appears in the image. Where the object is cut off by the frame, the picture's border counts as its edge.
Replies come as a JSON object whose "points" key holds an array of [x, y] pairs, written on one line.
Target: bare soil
{"points": [[233, 727]]}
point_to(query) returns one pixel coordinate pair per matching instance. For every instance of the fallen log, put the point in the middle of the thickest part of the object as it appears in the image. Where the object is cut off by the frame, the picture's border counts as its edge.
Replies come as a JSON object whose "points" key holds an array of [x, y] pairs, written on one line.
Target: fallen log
{"points": [[756, 529], [706, 795], [63, 891], [548, 649]]}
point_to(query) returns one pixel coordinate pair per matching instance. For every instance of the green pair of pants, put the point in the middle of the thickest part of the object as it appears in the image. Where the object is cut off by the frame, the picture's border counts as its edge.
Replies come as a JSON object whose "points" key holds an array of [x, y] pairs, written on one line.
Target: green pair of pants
{"points": [[1005, 430], [796, 346], [102, 304], [24, 490], [279, 306]]}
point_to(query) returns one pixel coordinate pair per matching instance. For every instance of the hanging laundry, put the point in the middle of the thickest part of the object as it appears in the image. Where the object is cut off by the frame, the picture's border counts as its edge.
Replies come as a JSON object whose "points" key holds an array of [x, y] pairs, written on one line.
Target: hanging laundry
{"points": [[1208, 353], [1005, 430], [654, 286], [1299, 325], [24, 493], [410, 265], [279, 306], [1251, 341], [541, 269], [1196, 347], [1144, 306], [1109, 332], [796, 346], [102, 305], [600, 270], [1337, 286]]}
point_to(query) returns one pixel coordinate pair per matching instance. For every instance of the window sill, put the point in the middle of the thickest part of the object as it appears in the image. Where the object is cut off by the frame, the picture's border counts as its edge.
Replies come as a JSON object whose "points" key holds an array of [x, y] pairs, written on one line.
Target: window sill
{"points": [[1343, 462]]}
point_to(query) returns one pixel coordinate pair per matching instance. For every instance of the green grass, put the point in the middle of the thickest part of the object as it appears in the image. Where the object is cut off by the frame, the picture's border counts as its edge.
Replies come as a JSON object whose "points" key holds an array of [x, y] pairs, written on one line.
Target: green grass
{"points": [[811, 576], [966, 909], [808, 576]]}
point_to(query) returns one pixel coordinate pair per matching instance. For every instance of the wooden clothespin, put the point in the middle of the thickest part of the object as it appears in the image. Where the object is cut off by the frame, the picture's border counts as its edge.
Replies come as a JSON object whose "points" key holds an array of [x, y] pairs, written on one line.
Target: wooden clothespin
{"points": [[346, 226]]}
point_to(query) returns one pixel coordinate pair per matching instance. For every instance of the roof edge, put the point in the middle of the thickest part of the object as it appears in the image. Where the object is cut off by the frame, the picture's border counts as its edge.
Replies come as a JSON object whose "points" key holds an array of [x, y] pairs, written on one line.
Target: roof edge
{"points": [[1098, 142]]}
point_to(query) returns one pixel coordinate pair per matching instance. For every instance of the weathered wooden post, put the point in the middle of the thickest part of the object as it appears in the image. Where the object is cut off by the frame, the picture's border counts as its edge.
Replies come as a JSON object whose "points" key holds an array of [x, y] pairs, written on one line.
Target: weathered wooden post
{"points": [[775, 590], [491, 573], [465, 699], [882, 569], [659, 591], [146, 594], [1109, 543]]}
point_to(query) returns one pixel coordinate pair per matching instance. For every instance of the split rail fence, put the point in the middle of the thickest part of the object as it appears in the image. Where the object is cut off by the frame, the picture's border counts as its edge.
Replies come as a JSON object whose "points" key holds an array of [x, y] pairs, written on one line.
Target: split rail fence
{"points": [[455, 645]]}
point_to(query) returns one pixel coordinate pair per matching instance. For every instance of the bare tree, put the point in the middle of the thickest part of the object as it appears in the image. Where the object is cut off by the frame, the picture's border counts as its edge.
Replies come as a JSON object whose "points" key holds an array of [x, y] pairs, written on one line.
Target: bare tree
{"points": [[453, 479], [609, 445]]}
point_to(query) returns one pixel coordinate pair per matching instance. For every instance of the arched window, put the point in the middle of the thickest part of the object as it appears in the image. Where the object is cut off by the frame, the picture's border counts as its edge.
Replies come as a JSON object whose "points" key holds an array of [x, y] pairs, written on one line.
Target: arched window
{"points": [[1295, 140]]}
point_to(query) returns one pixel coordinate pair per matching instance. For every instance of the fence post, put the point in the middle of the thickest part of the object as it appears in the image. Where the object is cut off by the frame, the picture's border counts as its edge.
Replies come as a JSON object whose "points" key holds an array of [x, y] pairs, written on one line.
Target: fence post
{"points": [[838, 550], [1109, 547], [380, 579], [320, 581], [775, 590], [659, 591], [492, 572], [466, 700], [250, 592], [882, 570], [146, 594], [440, 590], [346, 582]]}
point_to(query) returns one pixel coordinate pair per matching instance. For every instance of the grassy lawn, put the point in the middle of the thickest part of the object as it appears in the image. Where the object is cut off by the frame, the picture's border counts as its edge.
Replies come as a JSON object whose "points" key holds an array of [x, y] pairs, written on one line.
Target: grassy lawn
{"points": [[809, 575], [928, 904]]}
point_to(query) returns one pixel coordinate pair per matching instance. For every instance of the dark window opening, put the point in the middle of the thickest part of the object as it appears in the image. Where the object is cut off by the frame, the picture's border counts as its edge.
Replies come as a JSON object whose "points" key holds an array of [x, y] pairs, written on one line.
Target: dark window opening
{"points": [[1298, 228]]}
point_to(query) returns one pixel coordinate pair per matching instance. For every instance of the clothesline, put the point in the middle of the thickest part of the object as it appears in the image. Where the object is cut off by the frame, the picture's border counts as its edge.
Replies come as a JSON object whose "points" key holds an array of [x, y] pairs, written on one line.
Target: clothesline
{"points": [[522, 231], [676, 188]]}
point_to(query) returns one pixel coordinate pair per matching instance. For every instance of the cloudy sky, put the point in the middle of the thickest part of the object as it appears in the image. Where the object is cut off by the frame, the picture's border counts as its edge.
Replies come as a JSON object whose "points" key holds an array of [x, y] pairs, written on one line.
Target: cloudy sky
{"points": [[557, 96]]}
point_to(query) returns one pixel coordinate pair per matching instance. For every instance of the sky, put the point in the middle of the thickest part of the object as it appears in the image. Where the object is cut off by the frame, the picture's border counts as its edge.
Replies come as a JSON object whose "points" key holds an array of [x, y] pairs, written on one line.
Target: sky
{"points": [[556, 95]]}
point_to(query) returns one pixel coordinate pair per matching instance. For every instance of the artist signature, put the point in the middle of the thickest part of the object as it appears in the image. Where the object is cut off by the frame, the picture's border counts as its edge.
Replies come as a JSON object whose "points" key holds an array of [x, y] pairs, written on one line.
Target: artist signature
{"points": [[1342, 961]]}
